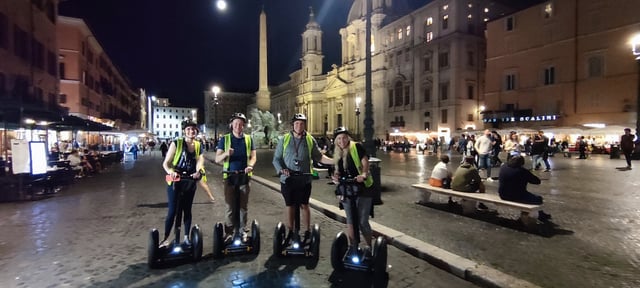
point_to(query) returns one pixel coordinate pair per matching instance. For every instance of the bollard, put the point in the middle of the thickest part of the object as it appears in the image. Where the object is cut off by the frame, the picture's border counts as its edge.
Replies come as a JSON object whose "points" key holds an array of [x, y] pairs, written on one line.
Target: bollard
{"points": [[374, 169]]}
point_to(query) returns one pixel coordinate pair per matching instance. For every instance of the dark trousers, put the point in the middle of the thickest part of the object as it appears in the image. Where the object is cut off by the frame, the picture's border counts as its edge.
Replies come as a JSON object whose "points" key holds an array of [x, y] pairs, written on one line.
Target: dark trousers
{"points": [[627, 156], [526, 198], [188, 190]]}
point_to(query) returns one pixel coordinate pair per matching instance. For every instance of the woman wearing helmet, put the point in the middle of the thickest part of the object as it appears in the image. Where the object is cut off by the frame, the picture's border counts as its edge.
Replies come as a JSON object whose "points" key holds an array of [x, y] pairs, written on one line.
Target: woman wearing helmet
{"points": [[351, 161], [184, 155], [293, 160], [236, 151]]}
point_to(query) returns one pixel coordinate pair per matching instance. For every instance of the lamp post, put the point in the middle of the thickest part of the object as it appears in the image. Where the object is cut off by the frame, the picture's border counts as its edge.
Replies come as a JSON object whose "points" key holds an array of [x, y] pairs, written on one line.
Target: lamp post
{"points": [[150, 103], [215, 89], [635, 48], [358, 100], [368, 105]]}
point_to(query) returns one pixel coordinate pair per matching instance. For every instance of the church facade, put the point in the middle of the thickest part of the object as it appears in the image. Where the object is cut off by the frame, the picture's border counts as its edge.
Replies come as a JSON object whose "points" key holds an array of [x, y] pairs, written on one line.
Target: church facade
{"points": [[427, 71]]}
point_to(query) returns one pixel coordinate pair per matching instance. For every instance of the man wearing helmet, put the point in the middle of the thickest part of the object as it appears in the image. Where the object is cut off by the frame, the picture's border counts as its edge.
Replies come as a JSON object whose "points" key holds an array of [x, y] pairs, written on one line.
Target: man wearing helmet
{"points": [[236, 152], [184, 155], [293, 161]]}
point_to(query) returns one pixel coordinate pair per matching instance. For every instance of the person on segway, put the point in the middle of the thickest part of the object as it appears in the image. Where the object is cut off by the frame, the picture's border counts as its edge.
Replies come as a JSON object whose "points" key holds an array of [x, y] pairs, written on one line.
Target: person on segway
{"points": [[184, 157], [351, 161], [293, 161], [236, 152]]}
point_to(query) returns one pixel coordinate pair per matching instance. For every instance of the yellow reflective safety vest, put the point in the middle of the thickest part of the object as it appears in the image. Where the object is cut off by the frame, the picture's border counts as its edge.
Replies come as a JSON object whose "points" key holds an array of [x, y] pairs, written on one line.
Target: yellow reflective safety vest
{"points": [[287, 139], [227, 145], [353, 151], [178, 154]]}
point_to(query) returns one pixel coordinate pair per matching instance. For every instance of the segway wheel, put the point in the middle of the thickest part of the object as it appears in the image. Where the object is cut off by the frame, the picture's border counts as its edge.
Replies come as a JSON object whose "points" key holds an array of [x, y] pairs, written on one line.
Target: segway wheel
{"points": [[196, 242], [338, 250], [380, 255], [154, 242], [255, 236], [218, 240], [315, 242], [278, 239]]}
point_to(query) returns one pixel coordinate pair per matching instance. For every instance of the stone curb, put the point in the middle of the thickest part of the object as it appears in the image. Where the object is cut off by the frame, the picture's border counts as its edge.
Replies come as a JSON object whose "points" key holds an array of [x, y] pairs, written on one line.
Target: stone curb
{"points": [[466, 269]]}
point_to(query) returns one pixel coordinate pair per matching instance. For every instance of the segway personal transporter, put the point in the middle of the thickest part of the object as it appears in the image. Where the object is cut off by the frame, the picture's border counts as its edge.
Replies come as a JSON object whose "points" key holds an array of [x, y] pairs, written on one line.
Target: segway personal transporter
{"points": [[295, 246], [236, 244], [177, 250], [345, 255]]}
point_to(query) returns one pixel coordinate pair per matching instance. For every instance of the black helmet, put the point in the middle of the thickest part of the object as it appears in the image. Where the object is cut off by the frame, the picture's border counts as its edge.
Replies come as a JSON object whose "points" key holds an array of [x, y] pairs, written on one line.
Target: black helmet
{"points": [[187, 123], [339, 131], [297, 117], [238, 116]]}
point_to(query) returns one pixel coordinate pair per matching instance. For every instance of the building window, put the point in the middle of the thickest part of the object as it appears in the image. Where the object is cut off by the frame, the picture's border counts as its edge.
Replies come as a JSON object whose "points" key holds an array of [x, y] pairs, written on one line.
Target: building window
{"points": [[429, 36], [398, 94], [62, 98], [443, 60], [548, 10], [444, 91], [470, 92], [443, 116], [4, 31], [429, 21], [390, 59], [596, 66], [471, 59], [427, 64], [509, 23], [426, 96], [549, 75], [399, 33], [510, 82], [469, 117], [408, 30], [407, 55], [407, 95], [445, 22], [339, 120], [61, 70], [390, 98], [427, 126]]}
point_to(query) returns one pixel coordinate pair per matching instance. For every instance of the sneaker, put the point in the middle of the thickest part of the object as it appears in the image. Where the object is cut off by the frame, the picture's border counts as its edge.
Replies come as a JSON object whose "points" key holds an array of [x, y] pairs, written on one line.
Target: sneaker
{"points": [[186, 240], [547, 170], [165, 243], [490, 179], [482, 206], [544, 217], [307, 236], [289, 237]]}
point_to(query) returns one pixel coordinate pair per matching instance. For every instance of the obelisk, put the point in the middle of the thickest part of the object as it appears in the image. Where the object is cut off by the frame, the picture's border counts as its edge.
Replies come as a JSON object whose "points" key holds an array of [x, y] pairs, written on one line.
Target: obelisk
{"points": [[263, 96]]}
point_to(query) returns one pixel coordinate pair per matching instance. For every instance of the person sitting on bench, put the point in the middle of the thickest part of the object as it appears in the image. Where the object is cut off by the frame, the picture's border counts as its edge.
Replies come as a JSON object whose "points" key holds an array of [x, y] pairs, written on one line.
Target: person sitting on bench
{"points": [[513, 185], [467, 179], [441, 174]]}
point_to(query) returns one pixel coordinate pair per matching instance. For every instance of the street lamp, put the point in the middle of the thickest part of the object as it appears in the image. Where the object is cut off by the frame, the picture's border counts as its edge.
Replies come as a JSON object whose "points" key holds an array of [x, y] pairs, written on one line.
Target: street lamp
{"points": [[150, 103], [221, 5], [635, 48], [358, 100], [368, 105], [215, 89]]}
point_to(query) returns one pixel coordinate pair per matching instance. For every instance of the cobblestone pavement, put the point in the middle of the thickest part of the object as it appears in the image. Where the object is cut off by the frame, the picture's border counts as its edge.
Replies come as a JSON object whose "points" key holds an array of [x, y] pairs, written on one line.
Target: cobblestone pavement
{"points": [[95, 234], [595, 240]]}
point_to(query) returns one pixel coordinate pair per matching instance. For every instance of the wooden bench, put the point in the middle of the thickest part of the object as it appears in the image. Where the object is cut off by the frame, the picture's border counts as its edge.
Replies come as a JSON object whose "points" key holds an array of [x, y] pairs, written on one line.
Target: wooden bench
{"points": [[468, 206]]}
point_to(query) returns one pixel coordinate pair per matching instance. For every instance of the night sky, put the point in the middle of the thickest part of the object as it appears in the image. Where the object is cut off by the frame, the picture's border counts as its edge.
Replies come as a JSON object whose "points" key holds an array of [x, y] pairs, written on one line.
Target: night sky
{"points": [[178, 49]]}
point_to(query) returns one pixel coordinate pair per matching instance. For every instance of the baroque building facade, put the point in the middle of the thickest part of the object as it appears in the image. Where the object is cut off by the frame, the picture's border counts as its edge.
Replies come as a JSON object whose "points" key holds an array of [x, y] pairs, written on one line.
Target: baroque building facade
{"points": [[427, 71]]}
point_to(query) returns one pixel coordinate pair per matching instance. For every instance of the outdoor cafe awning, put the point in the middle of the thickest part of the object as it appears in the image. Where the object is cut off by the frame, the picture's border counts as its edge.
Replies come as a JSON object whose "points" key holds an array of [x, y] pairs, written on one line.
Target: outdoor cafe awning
{"points": [[76, 123]]}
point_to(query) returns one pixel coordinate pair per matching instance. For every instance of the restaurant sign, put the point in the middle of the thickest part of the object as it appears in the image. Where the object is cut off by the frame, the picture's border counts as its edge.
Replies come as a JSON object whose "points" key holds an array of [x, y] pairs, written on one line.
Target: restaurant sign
{"points": [[521, 119]]}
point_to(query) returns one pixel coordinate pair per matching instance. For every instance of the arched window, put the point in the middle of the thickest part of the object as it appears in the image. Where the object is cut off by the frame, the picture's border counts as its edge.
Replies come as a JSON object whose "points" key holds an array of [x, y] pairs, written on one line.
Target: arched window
{"points": [[397, 94]]}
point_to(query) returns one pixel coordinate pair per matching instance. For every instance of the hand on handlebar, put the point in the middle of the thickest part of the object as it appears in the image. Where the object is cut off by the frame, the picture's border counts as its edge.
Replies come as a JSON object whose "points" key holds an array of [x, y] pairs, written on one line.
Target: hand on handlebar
{"points": [[248, 169]]}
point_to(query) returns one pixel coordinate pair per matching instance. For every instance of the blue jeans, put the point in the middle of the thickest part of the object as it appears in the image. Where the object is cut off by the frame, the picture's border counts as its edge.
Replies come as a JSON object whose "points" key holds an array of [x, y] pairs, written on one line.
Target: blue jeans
{"points": [[484, 161]]}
